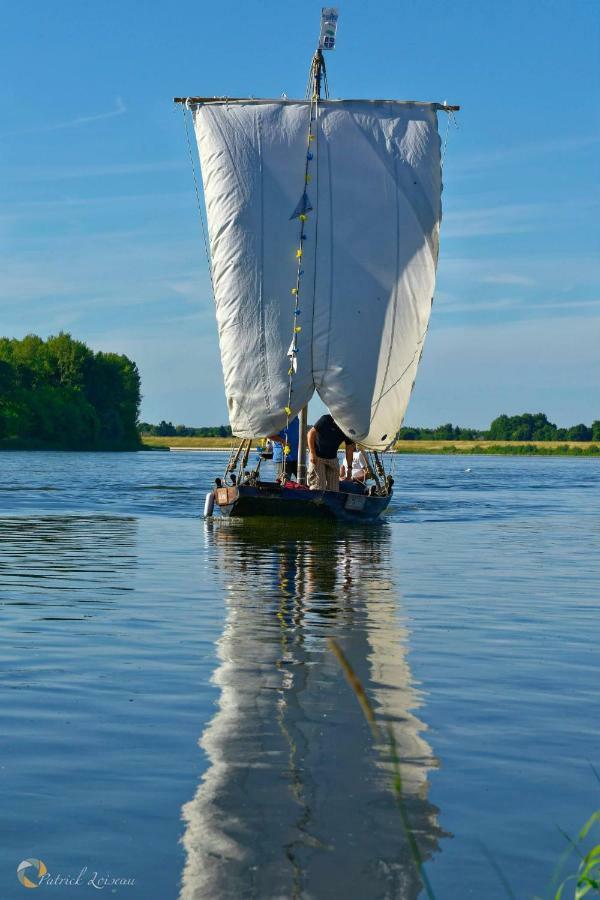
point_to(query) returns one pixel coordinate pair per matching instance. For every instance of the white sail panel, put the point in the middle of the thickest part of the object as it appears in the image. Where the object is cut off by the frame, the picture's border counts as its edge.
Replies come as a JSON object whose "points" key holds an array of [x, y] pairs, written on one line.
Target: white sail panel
{"points": [[252, 158], [379, 204], [369, 258]]}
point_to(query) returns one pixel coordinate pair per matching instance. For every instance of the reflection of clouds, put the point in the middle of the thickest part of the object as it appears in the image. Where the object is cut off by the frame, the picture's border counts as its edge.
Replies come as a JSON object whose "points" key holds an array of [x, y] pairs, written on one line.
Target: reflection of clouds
{"points": [[296, 802]]}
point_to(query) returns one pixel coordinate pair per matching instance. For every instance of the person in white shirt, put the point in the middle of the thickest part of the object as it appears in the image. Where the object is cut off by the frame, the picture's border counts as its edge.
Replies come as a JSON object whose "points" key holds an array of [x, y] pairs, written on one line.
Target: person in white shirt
{"points": [[360, 467]]}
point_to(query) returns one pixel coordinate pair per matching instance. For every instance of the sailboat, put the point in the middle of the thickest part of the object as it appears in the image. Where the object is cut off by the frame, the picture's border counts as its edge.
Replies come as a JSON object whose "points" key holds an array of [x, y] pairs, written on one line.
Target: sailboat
{"points": [[323, 225]]}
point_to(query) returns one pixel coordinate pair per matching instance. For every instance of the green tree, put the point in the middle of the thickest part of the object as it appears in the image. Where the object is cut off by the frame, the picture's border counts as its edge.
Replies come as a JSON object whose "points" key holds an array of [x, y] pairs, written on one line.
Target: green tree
{"points": [[579, 432], [526, 427], [165, 429], [444, 432], [58, 392], [69, 360], [499, 429]]}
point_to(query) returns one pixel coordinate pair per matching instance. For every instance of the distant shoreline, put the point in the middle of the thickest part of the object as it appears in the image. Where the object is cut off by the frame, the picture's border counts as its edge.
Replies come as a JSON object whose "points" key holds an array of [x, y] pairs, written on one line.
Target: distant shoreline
{"points": [[439, 447], [500, 448]]}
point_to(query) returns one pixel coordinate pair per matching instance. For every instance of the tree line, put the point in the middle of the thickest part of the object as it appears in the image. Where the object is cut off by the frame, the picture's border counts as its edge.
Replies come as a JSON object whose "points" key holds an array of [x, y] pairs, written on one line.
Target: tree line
{"points": [[167, 429], [58, 393], [526, 427]]}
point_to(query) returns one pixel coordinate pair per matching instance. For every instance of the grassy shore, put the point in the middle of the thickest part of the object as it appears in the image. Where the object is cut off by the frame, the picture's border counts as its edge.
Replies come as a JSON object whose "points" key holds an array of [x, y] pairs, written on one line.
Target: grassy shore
{"points": [[192, 443], [507, 448], [511, 448]]}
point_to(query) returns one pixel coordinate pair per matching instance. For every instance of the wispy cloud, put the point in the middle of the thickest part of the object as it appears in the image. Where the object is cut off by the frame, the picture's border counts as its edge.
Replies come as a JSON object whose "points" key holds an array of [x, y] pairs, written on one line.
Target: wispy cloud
{"points": [[57, 173], [473, 373], [453, 306], [119, 110], [518, 307], [121, 268], [522, 152], [488, 218], [56, 209], [569, 305], [556, 273], [508, 278]]}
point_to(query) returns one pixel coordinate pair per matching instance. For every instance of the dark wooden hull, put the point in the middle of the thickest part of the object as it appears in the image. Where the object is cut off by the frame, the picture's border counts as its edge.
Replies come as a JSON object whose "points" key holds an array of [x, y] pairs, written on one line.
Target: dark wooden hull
{"points": [[269, 499]]}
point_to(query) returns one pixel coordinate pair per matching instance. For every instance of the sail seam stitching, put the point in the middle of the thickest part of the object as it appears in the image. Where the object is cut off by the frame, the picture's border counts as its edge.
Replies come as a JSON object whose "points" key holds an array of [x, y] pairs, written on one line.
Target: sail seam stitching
{"points": [[403, 373], [312, 321], [395, 296], [234, 170], [331, 246], [264, 365]]}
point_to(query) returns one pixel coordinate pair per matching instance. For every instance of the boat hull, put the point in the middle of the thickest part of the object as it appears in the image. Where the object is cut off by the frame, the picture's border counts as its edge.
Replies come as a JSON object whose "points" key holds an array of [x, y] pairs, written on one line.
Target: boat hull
{"points": [[268, 499]]}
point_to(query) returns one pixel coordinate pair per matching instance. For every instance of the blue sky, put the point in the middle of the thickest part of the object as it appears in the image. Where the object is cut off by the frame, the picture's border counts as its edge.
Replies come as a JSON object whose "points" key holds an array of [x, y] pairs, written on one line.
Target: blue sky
{"points": [[99, 232]]}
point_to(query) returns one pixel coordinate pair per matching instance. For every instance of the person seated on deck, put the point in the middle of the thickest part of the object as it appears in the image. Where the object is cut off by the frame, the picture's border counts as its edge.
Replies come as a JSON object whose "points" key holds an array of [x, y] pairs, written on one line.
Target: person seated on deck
{"points": [[324, 438], [288, 468], [360, 467]]}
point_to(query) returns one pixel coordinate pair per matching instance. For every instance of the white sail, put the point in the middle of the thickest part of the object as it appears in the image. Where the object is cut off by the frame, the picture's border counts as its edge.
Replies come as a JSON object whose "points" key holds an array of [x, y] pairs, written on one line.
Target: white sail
{"points": [[369, 258]]}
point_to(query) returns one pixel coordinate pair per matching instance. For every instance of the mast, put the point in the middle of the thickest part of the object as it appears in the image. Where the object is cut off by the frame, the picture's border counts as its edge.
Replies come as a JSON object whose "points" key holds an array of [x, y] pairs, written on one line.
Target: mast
{"points": [[302, 443], [318, 76], [383, 159]]}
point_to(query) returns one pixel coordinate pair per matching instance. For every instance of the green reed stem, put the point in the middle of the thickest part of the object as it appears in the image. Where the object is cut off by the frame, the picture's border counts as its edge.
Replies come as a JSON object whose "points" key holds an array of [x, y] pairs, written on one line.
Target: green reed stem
{"points": [[369, 714]]}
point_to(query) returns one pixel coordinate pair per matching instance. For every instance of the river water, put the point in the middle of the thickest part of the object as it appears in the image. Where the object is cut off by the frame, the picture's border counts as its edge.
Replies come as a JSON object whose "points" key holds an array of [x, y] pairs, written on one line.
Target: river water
{"points": [[173, 716]]}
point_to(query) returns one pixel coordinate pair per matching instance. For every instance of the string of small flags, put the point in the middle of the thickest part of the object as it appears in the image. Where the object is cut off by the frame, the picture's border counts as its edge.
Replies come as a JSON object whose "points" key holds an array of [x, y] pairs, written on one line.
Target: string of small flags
{"points": [[301, 213]]}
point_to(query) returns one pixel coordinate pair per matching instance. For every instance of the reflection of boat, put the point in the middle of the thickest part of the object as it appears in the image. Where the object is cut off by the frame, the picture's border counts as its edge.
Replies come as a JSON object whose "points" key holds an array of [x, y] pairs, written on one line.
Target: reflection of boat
{"points": [[296, 801], [323, 219]]}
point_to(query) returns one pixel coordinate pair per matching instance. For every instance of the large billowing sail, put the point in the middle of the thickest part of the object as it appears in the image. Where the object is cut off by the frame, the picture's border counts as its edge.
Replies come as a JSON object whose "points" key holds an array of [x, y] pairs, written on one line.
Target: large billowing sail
{"points": [[369, 257]]}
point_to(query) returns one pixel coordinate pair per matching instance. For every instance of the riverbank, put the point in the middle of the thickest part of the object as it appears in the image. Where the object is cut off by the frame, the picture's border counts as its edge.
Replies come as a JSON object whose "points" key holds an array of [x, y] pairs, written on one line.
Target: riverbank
{"points": [[505, 448], [18, 444], [510, 448]]}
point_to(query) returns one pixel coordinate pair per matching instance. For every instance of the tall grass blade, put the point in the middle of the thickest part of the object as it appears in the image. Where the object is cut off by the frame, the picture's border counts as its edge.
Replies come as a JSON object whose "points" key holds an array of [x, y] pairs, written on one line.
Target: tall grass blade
{"points": [[356, 686], [503, 879], [369, 714]]}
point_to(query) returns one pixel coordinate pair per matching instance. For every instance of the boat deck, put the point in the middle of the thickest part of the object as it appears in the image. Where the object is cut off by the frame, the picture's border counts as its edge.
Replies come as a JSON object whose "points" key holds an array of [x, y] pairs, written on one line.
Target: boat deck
{"points": [[272, 499]]}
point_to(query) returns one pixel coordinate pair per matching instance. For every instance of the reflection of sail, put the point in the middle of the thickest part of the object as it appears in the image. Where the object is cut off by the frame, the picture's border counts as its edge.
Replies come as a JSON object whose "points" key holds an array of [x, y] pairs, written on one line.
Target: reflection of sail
{"points": [[296, 802]]}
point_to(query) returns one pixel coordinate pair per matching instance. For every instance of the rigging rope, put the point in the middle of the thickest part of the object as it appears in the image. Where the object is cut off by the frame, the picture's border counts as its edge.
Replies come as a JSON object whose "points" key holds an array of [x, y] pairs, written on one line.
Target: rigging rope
{"points": [[204, 230], [451, 119]]}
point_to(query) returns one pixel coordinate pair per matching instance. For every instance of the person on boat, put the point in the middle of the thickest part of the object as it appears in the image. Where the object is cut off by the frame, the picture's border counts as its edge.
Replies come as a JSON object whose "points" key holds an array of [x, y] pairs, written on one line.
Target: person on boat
{"points": [[360, 467], [324, 439], [266, 450], [288, 468]]}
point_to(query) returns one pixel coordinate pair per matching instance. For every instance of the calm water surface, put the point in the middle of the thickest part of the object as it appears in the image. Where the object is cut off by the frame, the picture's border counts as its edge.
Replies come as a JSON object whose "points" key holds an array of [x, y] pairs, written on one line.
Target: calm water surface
{"points": [[172, 713]]}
